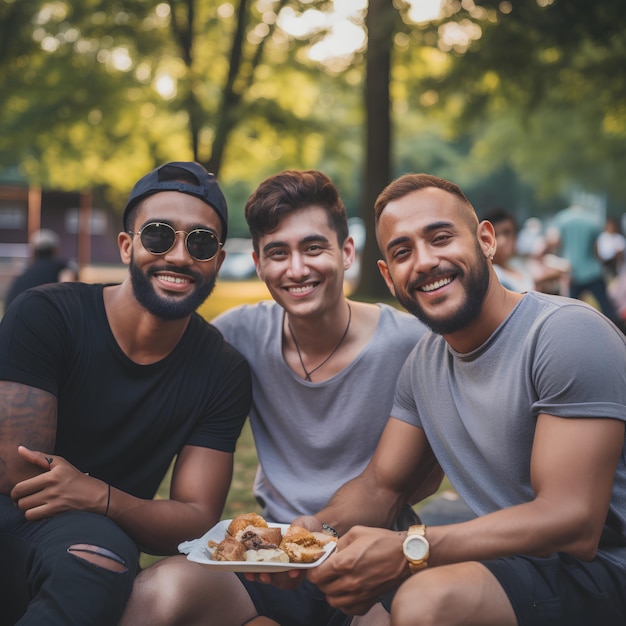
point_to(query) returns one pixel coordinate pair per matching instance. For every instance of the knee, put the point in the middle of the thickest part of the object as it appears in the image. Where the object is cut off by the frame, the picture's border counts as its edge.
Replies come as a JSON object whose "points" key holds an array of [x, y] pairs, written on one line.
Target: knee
{"points": [[419, 603], [159, 593]]}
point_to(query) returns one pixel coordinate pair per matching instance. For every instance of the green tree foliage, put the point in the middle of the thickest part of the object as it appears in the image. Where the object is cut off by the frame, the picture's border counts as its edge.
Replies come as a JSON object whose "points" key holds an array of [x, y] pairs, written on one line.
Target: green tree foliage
{"points": [[94, 93], [77, 107], [540, 87]]}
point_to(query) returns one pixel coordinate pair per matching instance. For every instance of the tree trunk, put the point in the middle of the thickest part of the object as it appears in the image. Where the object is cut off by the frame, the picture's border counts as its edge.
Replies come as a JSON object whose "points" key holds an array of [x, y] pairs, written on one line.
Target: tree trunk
{"points": [[380, 24]]}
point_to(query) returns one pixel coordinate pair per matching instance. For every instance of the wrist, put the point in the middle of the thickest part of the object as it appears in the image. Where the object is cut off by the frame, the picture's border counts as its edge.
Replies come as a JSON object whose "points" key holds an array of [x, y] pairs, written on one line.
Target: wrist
{"points": [[107, 500], [416, 548], [329, 530]]}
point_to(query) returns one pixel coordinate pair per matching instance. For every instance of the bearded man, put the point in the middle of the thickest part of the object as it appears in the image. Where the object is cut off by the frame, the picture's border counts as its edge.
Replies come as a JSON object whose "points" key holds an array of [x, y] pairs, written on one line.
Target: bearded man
{"points": [[102, 387]]}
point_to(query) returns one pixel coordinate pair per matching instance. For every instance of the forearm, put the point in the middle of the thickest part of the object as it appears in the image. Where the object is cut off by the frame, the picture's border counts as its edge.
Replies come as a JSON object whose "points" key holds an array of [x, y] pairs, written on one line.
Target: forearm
{"points": [[361, 501], [195, 505], [158, 526], [537, 528]]}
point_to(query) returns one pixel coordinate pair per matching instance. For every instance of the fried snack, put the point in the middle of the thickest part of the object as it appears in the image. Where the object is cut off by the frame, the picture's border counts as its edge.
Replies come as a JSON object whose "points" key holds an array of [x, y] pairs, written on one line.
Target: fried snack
{"points": [[229, 549], [249, 538], [271, 555], [241, 522], [260, 538], [303, 546]]}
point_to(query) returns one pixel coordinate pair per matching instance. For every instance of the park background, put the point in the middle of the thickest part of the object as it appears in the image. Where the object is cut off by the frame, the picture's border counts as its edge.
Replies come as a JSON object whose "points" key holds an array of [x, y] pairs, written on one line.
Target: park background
{"points": [[521, 103]]}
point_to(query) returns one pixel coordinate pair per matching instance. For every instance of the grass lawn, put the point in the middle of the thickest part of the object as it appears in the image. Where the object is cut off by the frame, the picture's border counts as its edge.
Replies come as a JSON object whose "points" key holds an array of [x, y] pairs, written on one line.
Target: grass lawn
{"points": [[240, 499]]}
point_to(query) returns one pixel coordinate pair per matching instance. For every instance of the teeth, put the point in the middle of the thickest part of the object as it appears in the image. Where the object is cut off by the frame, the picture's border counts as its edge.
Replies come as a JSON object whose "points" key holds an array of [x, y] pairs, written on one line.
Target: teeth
{"points": [[174, 279], [300, 289], [437, 285]]}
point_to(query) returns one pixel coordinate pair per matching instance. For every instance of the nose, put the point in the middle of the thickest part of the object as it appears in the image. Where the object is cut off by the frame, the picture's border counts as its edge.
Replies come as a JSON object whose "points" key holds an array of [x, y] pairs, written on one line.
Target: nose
{"points": [[177, 254], [425, 259], [297, 267]]}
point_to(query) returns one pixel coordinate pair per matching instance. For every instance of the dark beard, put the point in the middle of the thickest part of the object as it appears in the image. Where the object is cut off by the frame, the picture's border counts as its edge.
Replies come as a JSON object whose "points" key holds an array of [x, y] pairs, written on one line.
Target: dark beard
{"points": [[169, 308], [476, 285]]}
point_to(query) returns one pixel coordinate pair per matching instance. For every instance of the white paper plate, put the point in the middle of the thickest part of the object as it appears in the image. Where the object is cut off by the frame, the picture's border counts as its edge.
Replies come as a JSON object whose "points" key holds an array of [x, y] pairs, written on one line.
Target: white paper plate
{"points": [[199, 552]]}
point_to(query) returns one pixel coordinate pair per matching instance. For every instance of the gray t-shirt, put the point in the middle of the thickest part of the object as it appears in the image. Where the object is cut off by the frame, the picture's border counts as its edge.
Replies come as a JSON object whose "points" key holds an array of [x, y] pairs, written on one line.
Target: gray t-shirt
{"points": [[551, 355], [313, 437]]}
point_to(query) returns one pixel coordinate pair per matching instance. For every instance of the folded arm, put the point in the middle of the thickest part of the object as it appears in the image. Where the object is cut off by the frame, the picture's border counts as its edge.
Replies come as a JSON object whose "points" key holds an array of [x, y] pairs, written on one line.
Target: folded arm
{"points": [[199, 486], [572, 472], [44, 484]]}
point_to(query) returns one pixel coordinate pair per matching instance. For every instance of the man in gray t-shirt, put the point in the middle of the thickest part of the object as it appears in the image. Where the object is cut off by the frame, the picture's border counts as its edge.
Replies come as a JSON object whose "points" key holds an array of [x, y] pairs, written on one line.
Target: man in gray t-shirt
{"points": [[324, 369], [315, 433], [521, 398]]}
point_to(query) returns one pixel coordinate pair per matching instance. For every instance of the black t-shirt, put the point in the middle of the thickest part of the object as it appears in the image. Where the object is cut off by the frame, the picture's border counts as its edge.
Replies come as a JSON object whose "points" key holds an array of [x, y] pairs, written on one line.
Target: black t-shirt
{"points": [[120, 421]]}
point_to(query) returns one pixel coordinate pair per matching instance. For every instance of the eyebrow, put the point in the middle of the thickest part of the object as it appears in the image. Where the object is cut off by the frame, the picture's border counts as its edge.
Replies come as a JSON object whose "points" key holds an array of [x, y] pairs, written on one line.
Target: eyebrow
{"points": [[272, 245], [426, 230]]}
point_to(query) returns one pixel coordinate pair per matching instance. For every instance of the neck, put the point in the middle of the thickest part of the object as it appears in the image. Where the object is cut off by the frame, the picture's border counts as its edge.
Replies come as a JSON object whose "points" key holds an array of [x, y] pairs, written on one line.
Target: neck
{"points": [[319, 329], [496, 307], [310, 345], [141, 336]]}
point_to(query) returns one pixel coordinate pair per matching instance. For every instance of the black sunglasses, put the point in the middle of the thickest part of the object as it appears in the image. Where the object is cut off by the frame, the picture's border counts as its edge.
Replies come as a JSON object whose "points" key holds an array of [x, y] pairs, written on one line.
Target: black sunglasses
{"points": [[159, 238]]}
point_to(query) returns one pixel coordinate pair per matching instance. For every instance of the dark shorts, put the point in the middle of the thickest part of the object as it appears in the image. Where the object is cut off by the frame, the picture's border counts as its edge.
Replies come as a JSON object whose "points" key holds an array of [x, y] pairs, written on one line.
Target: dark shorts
{"points": [[302, 606], [41, 582], [562, 591]]}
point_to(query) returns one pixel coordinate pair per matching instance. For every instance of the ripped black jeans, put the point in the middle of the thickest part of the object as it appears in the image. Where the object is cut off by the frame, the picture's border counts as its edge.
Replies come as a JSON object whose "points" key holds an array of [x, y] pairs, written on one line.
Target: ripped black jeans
{"points": [[45, 579]]}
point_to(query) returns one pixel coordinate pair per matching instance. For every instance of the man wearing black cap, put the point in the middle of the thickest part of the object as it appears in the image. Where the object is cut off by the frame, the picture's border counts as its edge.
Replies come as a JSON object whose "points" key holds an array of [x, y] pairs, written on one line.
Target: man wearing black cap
{"points": [[103, 386]]}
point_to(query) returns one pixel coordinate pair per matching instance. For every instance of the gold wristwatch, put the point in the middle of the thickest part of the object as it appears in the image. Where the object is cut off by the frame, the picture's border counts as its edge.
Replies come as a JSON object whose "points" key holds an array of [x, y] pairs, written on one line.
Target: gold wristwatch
{"points": [[416, 548]]}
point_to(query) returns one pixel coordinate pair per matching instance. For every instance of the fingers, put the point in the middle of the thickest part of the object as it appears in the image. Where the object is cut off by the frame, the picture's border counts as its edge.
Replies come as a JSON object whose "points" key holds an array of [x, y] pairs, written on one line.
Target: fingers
{"points": [[309, 522], [283, 580], [44, 461], [33, 509]]}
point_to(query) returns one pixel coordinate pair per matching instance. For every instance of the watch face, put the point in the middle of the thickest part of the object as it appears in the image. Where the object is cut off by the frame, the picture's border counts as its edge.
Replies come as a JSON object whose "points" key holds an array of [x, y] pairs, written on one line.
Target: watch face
{"points": [[415, 548]]}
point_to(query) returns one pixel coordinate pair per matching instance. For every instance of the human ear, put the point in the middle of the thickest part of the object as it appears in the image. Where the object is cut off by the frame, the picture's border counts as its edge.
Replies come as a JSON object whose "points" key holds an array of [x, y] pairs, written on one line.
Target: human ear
{"points": [[384, 271], [349, 253], [486, 236], [125, 244], [257, 265]]}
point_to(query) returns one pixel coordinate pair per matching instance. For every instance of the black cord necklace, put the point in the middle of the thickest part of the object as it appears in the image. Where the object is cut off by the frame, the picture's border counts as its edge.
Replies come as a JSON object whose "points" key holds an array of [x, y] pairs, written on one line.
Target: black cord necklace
{"points": [[345, 334]]}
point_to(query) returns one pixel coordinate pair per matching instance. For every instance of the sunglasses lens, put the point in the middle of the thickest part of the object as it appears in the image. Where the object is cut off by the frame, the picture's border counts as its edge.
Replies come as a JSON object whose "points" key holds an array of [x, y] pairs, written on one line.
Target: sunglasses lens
{"points": [[202, 244], [157, 238]]}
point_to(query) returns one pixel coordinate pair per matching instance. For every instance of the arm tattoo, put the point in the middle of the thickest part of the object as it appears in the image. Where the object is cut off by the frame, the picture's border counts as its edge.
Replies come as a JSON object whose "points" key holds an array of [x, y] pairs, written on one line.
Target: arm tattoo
{"points": [[28, 416]]}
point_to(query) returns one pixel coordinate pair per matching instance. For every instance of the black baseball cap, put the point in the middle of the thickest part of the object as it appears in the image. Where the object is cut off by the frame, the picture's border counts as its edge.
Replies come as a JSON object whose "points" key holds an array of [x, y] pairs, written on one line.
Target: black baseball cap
{"points": [[172, 177]]}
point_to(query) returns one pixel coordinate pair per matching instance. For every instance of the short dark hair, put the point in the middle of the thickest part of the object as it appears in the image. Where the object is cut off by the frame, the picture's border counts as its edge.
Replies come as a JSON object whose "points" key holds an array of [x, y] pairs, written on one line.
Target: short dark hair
{"points": [[290, 191], [408, 183]]}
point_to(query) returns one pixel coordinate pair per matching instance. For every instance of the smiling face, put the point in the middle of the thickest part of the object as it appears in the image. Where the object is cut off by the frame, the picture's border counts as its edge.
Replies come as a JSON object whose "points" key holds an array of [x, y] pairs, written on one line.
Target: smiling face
{"points": [[435, 258], [171, 285], [303, 264]]}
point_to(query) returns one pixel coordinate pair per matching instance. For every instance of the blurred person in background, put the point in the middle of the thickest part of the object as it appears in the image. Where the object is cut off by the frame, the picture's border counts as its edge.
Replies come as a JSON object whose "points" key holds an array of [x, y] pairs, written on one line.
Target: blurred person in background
{"points": [[575, 231], [536, 267], [512, 271], [611, 245], [47, 266]]}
